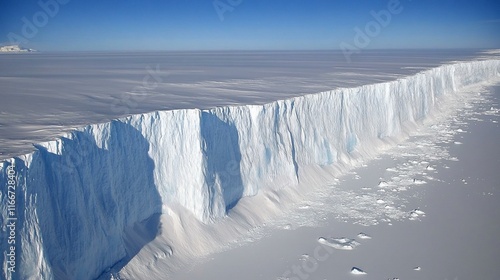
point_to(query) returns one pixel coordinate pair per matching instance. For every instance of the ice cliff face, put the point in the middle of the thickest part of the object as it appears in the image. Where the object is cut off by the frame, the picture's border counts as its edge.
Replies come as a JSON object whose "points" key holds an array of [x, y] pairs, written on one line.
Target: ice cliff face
{"points": [[76, 196]]}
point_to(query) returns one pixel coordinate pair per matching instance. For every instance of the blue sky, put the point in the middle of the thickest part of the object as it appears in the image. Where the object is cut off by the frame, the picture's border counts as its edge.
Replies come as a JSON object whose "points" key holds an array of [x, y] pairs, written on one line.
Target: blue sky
{"points": [[81, 25]]}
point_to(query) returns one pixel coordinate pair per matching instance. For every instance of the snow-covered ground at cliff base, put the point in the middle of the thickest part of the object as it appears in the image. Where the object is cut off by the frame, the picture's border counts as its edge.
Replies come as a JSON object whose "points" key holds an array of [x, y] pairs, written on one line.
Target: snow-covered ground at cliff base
{"points": [[155, 195]]}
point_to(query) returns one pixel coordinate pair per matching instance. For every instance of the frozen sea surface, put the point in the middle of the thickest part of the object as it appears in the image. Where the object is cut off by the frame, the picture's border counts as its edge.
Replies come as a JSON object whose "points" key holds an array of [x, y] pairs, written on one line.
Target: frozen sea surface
{"points": [[43, 95]]}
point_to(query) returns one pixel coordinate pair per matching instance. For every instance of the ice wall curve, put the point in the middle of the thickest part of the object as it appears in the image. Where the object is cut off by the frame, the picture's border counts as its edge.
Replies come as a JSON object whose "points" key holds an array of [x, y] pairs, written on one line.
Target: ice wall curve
{"points": [[75, 196]]}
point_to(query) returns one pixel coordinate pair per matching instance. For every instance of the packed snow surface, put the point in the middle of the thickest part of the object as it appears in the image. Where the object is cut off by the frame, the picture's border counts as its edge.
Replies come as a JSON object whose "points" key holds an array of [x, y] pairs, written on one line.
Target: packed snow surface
{"points": [[80, 198]]}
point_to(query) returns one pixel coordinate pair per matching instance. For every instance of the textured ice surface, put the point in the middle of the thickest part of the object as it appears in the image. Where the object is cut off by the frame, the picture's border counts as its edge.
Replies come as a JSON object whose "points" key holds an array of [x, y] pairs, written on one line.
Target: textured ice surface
{"points": [[88, 190]]}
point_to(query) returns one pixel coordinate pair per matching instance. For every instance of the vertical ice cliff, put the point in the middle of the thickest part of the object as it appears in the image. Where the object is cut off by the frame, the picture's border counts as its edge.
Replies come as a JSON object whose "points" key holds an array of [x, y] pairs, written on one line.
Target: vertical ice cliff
{"points": [[77, 196]]}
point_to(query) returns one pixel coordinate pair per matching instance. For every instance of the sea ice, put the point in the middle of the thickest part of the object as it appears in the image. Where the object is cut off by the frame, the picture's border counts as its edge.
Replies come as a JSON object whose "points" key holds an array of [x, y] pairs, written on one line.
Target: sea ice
{"points": [[357, 271], [342, 243]]}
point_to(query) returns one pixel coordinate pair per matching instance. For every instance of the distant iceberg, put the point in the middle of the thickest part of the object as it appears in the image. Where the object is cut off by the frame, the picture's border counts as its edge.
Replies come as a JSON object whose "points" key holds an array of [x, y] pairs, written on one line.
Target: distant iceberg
{"points": [[15, 49], [76, 196]]}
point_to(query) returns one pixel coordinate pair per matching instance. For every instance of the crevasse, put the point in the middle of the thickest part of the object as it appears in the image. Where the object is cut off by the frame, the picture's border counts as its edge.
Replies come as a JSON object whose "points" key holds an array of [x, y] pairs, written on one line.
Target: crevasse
{"points": [[76, 195]]}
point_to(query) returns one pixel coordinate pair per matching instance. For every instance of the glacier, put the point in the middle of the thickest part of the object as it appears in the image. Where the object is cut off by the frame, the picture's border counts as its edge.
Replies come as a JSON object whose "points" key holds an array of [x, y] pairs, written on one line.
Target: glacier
{"points": [[77, 197]]}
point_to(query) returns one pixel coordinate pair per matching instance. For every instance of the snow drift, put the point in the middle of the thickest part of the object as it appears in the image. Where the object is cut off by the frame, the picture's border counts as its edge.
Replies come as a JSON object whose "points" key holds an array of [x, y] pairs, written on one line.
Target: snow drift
{"points": [[78, 196]]}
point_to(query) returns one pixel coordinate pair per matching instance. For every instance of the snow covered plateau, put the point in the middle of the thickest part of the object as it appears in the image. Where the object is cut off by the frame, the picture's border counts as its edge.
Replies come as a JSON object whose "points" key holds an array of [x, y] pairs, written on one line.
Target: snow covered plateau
{"points": [[87, 202]]}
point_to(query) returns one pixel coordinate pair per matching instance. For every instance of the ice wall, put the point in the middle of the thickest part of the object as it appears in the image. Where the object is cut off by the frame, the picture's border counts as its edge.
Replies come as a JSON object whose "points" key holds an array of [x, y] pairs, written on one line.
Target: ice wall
{"points": [[77, 196]]}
